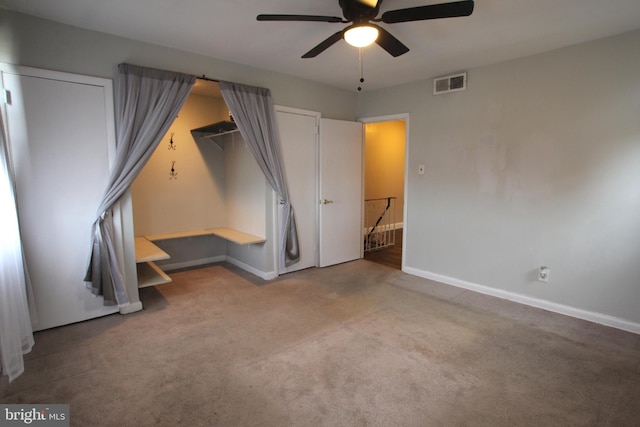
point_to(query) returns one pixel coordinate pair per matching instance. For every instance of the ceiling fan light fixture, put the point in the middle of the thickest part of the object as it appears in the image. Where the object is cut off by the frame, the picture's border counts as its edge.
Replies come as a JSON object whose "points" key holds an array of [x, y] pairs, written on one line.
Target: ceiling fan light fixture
{"points": [[363, 13], [361, 35]]}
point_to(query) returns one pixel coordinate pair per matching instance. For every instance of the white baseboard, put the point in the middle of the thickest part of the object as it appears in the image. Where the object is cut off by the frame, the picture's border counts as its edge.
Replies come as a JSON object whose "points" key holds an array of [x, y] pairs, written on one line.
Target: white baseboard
{"points": [[603, 319], [203, 261], [192, 263], [266, 275], [131, 308]]}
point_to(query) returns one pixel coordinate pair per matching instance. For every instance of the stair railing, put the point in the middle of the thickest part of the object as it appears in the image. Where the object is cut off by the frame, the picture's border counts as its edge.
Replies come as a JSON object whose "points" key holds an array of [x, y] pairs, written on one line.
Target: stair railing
{"points": [[380, 223]]}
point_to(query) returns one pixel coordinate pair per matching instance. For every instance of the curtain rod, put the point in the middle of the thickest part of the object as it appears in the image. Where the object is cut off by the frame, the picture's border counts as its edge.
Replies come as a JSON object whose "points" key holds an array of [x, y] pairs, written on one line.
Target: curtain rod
{"points": [[208, 79]]}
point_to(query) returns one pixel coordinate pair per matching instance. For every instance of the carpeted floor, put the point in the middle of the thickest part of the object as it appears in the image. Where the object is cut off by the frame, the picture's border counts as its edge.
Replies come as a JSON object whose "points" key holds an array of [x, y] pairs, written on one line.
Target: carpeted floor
{"points": [[350, 345]]}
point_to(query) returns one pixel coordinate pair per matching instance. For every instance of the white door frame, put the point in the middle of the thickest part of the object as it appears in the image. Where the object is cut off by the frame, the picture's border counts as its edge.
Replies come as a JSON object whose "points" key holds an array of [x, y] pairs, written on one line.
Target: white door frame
{"points": [[388, 118]]}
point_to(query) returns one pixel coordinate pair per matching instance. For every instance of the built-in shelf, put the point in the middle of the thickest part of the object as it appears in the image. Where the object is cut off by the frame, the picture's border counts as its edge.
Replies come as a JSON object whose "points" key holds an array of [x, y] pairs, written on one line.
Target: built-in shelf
{"points": [[149, 274], [147, 251], [229, 234], [214, 138], [211, 132]]}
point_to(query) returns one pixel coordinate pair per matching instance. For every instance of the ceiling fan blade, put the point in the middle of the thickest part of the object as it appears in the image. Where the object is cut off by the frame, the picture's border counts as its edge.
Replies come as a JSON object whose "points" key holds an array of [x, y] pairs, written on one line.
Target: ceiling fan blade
{"points": [[389, 43], [433, 11], [324, 45], [305, 18]]}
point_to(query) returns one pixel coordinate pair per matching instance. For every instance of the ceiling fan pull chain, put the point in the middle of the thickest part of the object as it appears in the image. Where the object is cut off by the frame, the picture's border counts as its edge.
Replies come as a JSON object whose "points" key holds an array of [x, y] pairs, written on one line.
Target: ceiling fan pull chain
{"points": [[361, 63]]}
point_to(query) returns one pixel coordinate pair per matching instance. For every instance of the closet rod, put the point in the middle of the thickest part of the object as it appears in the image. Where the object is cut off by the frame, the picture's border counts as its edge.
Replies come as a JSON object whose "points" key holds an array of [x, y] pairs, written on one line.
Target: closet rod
{"points": [[208, 79]]}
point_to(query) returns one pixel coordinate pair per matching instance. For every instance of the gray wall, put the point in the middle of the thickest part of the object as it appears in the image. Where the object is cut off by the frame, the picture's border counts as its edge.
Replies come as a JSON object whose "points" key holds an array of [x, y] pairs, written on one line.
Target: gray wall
{"points": [[536, 163], [33, 42]]}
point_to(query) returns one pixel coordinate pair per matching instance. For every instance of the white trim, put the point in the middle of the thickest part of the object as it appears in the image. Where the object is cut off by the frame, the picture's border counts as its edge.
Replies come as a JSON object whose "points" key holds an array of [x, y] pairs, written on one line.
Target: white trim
{"points": [[363, 169], [603, 319], [131, 308], [266, 275], [56, 75], [388, 118], [192, 263], [300, 111], [275, 228]]}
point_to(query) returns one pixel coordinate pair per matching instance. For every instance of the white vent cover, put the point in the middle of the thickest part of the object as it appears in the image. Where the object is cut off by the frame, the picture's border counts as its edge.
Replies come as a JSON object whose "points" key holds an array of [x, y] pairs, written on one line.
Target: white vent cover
{"points": [[451, 83]]}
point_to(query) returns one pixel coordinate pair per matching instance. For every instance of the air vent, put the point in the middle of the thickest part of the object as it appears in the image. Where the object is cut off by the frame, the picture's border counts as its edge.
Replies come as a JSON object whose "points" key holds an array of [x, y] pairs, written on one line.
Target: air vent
{"points": [[452, 83]]}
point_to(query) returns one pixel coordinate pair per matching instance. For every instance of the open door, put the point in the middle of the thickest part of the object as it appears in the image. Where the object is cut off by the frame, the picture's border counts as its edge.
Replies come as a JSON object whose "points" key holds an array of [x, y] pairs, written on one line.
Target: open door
{"points": [[340, 191]]}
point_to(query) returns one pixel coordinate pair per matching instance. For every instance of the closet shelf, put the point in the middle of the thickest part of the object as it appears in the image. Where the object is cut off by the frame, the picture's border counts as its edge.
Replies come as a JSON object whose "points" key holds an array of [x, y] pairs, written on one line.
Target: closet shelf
{"points": [[147, 251], [211, 132], [149, 274], [212, 138]]}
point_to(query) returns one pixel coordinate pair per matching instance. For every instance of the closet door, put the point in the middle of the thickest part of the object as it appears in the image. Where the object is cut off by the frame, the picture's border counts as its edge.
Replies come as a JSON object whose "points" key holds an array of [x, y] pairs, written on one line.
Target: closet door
{"points": [[325, 184], [299, 140], [61, 136]]}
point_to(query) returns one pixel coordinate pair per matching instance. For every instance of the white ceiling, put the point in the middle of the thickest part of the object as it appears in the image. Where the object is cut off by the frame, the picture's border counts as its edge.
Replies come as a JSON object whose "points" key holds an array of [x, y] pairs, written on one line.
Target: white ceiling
{"points": [[498, 30]]}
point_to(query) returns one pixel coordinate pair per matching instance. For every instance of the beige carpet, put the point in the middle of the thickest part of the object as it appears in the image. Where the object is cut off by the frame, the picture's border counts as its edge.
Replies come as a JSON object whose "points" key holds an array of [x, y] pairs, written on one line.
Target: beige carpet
{"points": [[350, 345]]}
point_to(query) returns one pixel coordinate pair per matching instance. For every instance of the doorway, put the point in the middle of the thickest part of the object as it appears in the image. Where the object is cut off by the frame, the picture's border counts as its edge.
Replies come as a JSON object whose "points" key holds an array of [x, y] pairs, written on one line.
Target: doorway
{"points": [[384, 189]]}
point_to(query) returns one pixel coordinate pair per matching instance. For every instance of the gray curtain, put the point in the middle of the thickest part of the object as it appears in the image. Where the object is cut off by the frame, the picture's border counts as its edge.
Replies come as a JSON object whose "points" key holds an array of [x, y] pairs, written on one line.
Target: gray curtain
{"points": [[147, 101], [252, 110], [16, 300]]}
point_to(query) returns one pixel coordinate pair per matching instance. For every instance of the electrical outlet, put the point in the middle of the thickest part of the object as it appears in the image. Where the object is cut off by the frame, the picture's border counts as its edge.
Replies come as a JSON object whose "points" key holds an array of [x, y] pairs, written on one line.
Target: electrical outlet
{"points": [[543, 274], [421, 170]]}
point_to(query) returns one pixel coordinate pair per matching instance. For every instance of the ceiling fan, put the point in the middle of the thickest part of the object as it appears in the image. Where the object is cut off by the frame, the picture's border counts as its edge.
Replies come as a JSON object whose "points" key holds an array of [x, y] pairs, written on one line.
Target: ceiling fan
{"points": [[362, 15]]}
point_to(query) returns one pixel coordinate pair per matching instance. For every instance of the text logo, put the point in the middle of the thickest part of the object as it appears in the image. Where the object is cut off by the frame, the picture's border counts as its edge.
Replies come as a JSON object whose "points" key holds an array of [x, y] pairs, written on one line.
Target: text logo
{"points": [[34, 415]]}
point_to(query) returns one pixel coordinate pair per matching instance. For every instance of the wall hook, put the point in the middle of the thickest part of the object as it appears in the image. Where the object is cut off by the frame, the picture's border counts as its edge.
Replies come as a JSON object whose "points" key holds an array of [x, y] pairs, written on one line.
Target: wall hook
{"points": [[171, 145], [173, 174]]}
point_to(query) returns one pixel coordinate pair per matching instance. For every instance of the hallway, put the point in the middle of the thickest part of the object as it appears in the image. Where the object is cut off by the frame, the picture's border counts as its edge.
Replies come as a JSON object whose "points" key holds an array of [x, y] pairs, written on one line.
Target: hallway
{"points": [[390, 256]]}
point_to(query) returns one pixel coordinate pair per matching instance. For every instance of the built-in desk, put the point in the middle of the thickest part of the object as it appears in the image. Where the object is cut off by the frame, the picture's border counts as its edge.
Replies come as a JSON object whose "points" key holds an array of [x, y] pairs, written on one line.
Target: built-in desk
{"points": [[229, 234], [149, 274]]}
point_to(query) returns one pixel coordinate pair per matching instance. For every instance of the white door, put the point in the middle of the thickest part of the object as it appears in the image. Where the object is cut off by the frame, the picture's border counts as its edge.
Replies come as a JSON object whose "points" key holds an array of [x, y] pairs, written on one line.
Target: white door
{"points": [[340, 191], [299, 142], [60, 132]]}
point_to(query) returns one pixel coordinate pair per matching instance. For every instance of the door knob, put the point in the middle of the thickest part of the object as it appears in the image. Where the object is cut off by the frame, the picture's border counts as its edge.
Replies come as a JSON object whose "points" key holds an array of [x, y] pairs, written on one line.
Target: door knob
{"points": [[326, 201]]}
